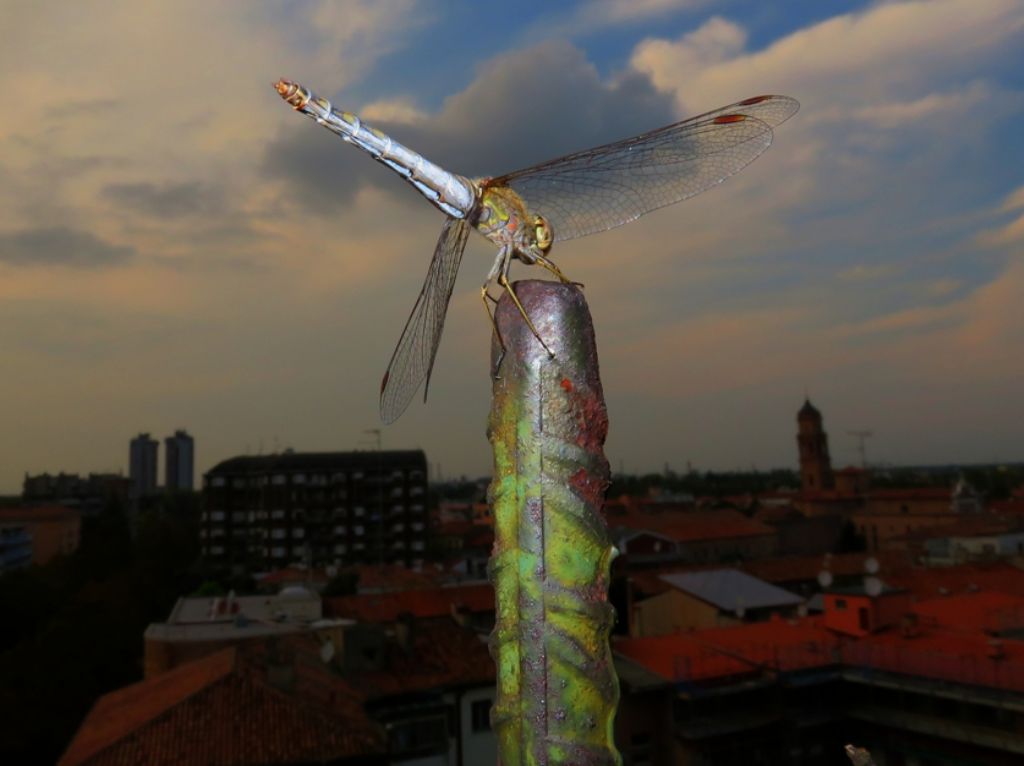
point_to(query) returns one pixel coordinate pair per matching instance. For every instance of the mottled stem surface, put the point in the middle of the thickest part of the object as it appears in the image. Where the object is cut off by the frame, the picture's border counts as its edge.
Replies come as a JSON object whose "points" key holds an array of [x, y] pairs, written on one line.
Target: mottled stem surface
{"points": [[557, 690]]}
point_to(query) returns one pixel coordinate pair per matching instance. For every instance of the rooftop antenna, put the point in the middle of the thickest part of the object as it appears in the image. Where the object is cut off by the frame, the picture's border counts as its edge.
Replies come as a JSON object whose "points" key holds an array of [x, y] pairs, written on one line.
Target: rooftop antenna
{"points": [[861, 437]]}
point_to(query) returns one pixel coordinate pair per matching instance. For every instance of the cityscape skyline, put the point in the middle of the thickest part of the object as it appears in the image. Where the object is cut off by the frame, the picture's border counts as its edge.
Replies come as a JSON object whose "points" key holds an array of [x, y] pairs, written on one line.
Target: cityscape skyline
{"points": [[169, 258]]}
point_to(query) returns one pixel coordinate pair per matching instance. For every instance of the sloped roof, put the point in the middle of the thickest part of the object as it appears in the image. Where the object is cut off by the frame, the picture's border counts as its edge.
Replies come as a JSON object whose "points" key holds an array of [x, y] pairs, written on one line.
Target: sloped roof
{"points": [[692, 526], [729, 588], [929, 582], [989, 611], [220, 709], [443, 655], [717, 653]]}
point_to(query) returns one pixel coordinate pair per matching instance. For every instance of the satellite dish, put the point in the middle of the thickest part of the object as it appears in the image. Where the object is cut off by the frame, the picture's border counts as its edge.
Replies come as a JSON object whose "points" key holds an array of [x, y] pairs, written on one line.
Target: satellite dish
{"points": [[327, 651], [871, 565], [824, 578], [872, 586]]}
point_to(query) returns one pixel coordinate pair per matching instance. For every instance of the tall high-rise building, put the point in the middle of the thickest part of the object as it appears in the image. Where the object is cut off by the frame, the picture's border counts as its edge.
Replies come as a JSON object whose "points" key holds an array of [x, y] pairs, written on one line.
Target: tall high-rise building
{"points": [[142, 461], [180, 461]]}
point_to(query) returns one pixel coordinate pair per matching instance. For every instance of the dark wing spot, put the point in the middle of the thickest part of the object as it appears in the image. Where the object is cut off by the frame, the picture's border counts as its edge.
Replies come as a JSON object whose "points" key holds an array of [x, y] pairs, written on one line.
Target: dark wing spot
{"points": [[725, 119], [754, 100]]}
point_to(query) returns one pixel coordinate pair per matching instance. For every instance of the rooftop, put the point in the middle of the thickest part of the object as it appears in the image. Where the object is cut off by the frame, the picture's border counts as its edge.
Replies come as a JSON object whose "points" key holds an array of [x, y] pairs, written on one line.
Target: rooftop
{"points": [[222, 709], [730, 589], [318, 461], [443, 655], [423, 603], [691, 526]]}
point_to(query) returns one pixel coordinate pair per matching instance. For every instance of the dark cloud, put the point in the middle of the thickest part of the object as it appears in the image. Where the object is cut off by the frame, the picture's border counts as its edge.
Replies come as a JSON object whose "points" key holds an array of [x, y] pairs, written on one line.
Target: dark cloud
{"points": [[60, 246], [523, 108], [166, 200]]}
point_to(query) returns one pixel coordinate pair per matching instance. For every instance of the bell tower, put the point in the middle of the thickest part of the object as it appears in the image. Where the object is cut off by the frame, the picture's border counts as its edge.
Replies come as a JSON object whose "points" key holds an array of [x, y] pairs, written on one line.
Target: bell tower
{"points": [[812, 441]]}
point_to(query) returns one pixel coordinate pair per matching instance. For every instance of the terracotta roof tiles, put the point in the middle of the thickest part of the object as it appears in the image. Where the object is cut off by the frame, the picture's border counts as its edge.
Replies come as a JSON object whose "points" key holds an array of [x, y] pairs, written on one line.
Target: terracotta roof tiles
{"points": [[220, 710]]}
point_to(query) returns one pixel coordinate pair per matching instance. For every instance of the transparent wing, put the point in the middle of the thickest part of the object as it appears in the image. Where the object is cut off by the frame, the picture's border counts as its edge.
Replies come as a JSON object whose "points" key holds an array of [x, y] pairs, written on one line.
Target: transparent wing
{"points": [[605, 187], [413, 359]]}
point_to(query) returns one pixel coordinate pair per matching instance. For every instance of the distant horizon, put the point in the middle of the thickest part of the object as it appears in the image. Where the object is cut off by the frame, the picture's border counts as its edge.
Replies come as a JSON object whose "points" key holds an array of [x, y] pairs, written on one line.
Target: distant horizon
{"points": [[614, 472]]}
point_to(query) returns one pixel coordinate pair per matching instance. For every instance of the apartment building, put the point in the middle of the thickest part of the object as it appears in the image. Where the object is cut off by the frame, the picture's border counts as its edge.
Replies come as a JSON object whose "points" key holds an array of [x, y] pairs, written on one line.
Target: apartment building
{"points": [[318, 508]]}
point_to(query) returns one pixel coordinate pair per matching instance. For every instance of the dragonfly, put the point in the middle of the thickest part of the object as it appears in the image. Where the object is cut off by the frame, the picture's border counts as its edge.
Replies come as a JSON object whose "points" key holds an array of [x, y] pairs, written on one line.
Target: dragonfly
{"points": [[525, 212]]}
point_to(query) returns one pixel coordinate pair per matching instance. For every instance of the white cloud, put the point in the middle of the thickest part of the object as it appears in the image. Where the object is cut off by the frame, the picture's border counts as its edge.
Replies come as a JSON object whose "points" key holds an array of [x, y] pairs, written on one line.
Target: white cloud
{"points": [[596, 15]]}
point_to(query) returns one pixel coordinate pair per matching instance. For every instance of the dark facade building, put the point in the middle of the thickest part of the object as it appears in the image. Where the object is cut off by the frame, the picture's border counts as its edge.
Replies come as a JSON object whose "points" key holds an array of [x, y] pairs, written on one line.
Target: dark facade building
{"points": [[263, 512], [142, 460], [88, 495], [180, 461]]}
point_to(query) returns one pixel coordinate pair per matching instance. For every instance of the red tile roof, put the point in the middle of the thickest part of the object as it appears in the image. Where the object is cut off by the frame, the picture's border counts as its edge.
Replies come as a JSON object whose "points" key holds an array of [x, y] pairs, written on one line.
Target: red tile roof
{"points": [[692, 526], [788, 569], [393, 577], [987, 612], [220, 709], [718, 653], [777, 514], [958, 657], [981, 525], [1014, 505], [443, 655], [911, 493], [424, 603], [929, 582]]}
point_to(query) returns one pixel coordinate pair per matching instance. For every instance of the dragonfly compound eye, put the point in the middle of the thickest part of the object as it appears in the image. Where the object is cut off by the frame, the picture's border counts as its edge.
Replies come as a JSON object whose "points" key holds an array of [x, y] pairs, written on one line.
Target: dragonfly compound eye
{"points": [[542, 231]]}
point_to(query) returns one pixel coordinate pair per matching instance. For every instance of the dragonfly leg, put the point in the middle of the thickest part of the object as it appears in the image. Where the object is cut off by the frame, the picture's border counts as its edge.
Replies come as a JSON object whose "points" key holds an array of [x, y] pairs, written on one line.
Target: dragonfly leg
{"points": [[550, 266], [485, 295], [503, 281]]}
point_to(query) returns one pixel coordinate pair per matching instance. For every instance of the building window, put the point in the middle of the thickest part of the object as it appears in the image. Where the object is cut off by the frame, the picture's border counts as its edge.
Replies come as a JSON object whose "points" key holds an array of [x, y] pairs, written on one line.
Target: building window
{"points": [[480, 715], [424, 736], [840, 603], [217, 481]]}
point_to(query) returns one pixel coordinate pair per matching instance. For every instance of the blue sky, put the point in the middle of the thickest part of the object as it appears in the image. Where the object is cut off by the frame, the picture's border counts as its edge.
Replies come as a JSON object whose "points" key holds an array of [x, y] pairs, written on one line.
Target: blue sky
{"points": [[178, 249]]}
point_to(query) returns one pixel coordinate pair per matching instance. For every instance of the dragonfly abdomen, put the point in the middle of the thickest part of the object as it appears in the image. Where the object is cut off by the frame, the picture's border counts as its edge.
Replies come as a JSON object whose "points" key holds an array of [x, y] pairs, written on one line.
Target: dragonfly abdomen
{"points": [[452, 194]]}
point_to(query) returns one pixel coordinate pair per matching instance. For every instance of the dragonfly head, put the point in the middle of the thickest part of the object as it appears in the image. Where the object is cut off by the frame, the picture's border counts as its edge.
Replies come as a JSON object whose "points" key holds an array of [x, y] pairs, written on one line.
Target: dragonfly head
{"points": [[542, 233]]}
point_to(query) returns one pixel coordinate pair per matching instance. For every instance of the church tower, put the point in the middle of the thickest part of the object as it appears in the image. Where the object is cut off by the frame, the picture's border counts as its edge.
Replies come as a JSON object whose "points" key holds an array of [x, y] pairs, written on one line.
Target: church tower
{"points": [[815, 464]]}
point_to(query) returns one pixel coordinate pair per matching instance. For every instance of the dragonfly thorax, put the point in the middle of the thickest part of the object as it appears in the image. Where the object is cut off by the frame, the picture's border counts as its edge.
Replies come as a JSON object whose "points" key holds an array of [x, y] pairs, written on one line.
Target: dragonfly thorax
{"points": [[503, 218]]}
